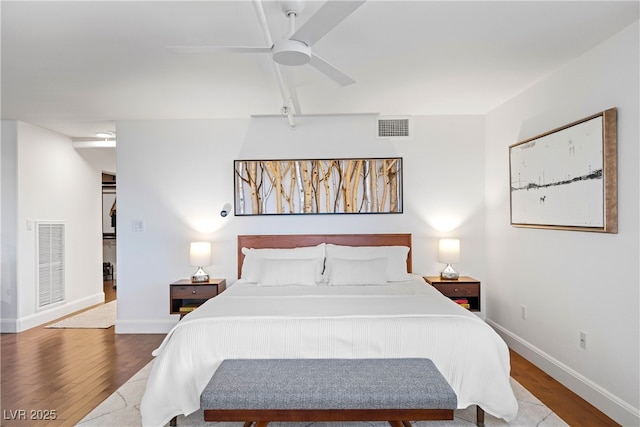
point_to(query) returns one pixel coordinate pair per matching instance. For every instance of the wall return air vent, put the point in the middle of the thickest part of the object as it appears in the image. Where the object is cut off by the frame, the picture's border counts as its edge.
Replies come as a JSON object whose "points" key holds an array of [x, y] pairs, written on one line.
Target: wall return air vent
{"points": [[394, 128], [51, 263]]}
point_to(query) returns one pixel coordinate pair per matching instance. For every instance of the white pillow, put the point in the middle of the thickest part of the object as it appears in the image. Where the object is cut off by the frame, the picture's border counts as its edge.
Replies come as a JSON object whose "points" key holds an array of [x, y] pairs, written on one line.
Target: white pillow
{"points": [[280, 272], [253, 257], [357, 271], [396, 258]]}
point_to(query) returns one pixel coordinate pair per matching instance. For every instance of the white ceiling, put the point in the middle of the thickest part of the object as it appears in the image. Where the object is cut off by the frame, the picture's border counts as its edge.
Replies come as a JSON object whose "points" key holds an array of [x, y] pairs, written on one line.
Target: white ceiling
{"points": [[77, 66]]}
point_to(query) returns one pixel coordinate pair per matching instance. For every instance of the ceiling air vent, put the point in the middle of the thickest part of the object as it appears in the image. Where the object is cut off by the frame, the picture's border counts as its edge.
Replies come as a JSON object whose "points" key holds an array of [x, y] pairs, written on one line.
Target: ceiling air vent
{"points": [[394, 128]]}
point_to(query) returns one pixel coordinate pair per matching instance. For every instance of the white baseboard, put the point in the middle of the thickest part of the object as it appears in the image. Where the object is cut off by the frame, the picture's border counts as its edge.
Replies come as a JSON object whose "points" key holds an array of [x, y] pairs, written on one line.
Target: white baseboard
{"points": [[49, 315], [144, 326], [614, 407]]}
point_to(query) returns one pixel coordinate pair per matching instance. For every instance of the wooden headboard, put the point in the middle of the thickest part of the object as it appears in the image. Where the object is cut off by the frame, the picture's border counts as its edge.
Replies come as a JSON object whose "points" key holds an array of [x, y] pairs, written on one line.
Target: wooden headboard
{"points": [[287, 241]]}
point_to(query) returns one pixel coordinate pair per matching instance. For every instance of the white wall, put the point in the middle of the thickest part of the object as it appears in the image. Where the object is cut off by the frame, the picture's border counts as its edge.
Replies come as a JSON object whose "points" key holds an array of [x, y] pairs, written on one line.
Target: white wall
{"points": [[572, 281], [102, 159], [53, 183], [9, 221], [176, 175]]}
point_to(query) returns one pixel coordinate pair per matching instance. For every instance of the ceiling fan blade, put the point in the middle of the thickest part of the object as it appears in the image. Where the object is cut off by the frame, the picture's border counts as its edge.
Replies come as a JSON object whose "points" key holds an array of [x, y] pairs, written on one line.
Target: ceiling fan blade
{"points": [[330, 71], [328, 16], [219, 49]]}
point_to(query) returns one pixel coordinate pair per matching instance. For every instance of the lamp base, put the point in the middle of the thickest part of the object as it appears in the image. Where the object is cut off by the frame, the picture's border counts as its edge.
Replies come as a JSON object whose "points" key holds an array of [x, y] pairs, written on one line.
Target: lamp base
{"points": [[199, 276], [449, 273]]}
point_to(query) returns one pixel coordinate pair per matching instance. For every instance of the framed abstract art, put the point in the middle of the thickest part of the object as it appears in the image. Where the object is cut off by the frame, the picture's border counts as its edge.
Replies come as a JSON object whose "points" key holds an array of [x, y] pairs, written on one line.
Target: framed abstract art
{"points": [[567, 178]]}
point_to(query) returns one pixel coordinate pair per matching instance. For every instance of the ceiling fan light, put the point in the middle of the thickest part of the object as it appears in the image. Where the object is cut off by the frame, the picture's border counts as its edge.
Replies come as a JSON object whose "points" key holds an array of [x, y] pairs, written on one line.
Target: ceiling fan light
{"points": [[105, 134], [291, 52]]}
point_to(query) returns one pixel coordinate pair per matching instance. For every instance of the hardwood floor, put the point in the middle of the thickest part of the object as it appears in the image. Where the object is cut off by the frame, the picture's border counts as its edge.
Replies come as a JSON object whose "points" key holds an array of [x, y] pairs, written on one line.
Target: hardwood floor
{"points": [[65, 373], [573, 409], [71, 371]]}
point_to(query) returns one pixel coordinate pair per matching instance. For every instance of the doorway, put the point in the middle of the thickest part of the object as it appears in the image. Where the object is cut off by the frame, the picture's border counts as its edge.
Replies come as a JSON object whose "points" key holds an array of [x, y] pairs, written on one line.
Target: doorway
{"points": [[109, 236]]}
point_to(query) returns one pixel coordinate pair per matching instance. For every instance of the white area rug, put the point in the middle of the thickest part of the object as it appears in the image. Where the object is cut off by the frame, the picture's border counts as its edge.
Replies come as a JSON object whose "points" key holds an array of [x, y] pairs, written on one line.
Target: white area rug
{"points": [[122, 409], [101, 317]]}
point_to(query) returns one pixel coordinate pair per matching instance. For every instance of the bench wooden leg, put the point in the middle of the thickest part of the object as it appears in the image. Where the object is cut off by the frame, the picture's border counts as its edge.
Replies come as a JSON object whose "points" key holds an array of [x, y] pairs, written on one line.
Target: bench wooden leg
{"points": [[247, 424], [261, 423], [396, 423], [406, 423], [479, 416]]}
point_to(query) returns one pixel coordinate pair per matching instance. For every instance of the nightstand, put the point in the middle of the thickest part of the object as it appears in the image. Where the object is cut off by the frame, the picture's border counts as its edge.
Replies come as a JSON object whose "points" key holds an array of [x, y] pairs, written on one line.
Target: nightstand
{"points": [[185, 296], [464, 288]]}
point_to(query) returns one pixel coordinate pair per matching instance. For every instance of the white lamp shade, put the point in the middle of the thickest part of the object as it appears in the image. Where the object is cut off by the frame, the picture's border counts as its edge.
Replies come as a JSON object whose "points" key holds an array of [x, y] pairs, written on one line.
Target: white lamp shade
{"points": [[200, 254], [449, 251]]}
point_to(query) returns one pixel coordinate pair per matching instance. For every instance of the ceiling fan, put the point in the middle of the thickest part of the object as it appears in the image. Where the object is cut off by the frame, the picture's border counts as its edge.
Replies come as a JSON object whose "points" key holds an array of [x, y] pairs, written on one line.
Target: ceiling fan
{"points": [[295, 48]]}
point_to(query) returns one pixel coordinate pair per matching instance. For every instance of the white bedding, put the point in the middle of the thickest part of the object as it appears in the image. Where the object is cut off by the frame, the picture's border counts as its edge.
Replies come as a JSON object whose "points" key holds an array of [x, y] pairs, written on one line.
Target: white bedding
{"points": [[403, 319]]}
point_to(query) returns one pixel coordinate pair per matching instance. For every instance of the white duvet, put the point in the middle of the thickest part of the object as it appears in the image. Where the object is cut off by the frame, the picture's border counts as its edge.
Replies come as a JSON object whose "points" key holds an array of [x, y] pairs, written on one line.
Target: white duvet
{"points": [[407, 319]]}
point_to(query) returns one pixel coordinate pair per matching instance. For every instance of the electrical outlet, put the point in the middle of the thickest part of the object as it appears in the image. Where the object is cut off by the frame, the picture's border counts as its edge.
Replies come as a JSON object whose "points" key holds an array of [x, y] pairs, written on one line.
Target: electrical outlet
{"points": [[583, 340], [523, 312]]}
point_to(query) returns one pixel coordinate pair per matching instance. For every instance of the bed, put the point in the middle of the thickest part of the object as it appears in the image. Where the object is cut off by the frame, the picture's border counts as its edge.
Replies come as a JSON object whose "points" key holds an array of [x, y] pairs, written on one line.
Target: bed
{"points": [[328, 296]]}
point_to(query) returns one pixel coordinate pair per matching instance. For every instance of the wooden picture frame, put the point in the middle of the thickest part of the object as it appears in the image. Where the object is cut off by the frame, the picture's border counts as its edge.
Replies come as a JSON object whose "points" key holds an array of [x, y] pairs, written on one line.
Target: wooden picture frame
{"points": [[566, 178], [318, 186]]}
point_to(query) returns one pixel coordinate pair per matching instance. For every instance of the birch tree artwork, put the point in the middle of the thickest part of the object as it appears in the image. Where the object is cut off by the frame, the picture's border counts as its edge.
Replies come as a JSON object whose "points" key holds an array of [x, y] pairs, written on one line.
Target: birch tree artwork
{"points": [[279, 187]]}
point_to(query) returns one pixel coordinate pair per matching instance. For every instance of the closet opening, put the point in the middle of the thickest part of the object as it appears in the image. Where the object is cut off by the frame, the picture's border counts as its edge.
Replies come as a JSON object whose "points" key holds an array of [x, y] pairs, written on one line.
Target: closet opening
{"points": [[109, 235]]}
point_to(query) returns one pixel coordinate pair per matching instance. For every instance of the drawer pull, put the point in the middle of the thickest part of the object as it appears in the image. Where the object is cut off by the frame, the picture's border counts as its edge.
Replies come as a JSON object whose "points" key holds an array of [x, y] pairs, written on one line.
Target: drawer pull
{"points": [[193, 292], [455, 290]]}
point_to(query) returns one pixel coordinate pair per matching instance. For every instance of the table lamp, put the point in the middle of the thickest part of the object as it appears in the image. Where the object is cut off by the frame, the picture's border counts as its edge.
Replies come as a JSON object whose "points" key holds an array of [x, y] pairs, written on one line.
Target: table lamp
{"points": [[449, 253], [199, 256]]}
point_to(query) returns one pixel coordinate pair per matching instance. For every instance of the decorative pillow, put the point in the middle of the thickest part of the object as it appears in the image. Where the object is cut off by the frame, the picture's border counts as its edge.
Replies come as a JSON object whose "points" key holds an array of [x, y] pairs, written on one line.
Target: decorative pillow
{"points": [[357, 271], [396, 258], [280, 272], [253, 257]]}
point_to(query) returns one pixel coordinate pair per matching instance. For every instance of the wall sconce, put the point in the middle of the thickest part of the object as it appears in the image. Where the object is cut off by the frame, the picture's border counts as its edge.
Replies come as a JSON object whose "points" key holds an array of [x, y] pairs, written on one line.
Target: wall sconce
{"points": [[449, 253], [199, 256]]}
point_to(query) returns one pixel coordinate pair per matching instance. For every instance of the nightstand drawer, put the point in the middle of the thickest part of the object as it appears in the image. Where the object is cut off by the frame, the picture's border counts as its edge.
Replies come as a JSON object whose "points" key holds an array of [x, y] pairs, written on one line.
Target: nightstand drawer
{"points": [[185, 296], [465, 288], [195, 291], [459, 290]]}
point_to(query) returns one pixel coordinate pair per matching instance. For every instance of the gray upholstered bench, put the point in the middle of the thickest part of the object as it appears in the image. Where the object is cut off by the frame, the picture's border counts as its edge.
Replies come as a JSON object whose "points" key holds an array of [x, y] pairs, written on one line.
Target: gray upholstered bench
{"points": [[264, 390]]}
